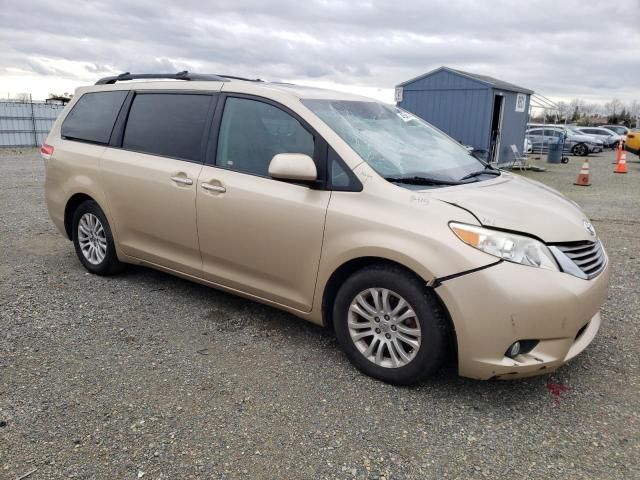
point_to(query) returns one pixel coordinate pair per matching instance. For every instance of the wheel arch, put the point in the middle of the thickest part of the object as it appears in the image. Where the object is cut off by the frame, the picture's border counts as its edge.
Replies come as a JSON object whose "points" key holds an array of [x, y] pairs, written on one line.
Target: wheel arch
{"points": [[348, 268], [72, 204]]}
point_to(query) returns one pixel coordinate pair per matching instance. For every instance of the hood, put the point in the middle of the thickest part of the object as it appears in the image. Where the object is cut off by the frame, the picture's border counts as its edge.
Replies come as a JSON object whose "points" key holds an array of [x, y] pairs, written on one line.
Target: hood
{"points": [[515, 203]]}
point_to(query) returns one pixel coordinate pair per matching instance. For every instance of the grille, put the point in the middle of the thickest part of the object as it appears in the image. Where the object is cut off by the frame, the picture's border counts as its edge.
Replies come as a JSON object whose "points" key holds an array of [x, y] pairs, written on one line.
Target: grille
{"points": [[589, 257]]}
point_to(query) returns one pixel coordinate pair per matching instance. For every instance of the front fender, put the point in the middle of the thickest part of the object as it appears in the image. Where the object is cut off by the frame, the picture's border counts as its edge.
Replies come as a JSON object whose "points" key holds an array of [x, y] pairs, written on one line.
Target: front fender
{"points": [[414, 234]]}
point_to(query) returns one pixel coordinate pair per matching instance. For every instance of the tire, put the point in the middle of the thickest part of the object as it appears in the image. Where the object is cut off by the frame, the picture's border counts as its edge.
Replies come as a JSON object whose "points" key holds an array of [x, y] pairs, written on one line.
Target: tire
{"points": [[433, 333], [580, 150], [93, 240]]}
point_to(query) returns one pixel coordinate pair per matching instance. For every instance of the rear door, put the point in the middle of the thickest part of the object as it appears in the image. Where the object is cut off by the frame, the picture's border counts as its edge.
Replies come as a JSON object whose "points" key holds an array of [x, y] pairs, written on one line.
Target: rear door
{"points": [[259, 235], [150, 174]]}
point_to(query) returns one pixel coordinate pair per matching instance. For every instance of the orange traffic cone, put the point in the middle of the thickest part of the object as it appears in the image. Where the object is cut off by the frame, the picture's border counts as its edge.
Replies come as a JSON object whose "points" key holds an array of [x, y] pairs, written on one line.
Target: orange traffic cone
{"points": [[621, 166], [620, 152], [583, 177]]}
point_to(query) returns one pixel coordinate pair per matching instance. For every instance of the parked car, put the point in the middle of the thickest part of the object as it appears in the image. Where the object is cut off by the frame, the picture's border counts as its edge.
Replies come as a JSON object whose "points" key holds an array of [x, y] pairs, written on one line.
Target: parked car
{"points": [[633, 142], [580, 145], [528, 147], [596, 144], [344, 211], [619, 129], [609, 137]]}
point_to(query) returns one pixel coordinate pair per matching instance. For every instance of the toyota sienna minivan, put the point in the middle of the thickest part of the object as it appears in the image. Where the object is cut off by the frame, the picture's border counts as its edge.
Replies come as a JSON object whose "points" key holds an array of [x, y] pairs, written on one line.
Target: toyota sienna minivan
{"points": [[346, 212]]}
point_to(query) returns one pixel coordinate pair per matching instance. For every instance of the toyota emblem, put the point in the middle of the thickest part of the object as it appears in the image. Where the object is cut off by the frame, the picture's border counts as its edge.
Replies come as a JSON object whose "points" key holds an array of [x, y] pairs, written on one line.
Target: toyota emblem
{"points": [[589, 228]]}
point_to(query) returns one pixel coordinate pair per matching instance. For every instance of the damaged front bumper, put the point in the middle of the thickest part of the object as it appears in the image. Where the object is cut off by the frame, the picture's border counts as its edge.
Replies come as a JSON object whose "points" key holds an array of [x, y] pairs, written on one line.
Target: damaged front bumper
{"points": [[494, 307]]}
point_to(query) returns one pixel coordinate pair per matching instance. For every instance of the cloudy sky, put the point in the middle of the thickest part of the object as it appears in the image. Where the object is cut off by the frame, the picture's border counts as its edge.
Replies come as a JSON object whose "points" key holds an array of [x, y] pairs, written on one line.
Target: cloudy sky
{"points": [[562, 49]]}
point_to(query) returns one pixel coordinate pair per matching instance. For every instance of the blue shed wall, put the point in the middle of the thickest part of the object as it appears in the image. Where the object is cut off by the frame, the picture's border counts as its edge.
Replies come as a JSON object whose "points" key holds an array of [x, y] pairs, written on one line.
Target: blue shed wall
{"points": [[457, 105]]}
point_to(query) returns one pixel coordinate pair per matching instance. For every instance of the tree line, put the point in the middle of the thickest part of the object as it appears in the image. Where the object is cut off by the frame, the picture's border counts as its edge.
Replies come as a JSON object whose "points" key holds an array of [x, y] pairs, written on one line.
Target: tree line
{"points": [[580, 112]]}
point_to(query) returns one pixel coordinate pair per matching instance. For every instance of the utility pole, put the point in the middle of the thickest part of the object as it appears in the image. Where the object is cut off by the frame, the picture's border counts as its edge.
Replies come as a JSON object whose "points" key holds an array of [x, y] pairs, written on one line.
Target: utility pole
{"points": [[33, 122]]}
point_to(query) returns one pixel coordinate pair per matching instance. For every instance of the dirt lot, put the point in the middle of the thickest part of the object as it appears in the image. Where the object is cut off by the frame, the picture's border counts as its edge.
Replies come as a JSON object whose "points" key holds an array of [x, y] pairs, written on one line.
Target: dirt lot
{"points": [[145, 375]]}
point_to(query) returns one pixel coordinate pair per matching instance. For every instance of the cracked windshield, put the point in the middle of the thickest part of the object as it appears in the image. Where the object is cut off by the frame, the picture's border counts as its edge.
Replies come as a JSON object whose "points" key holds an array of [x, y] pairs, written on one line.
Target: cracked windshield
{"points": [[398, 145]]}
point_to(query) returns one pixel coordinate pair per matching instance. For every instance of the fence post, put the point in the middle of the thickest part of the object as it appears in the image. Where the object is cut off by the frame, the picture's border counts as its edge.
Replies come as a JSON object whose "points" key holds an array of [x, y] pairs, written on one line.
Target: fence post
{"points": [[33, 121]]}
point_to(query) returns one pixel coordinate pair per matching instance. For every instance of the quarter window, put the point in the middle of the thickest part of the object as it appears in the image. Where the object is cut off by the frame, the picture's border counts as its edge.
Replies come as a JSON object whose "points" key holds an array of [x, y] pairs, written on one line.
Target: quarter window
{"points": [[167, 124], [252, 132], [93, 116]]}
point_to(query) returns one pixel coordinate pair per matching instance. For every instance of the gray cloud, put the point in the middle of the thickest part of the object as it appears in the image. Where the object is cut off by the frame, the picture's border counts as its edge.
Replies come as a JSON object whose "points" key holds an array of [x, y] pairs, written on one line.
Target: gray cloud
{"points": [[569, 48]]}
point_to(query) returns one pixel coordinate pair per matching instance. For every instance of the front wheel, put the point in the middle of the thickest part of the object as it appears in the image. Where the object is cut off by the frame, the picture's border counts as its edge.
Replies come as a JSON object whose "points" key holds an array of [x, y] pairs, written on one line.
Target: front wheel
{"points": [[390, 325], [93, 240], [581, 150]]}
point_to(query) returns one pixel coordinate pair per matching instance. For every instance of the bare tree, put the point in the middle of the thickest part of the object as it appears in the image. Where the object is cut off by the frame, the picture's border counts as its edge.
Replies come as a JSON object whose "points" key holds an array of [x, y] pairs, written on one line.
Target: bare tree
{"points": [[613, 107], [24, 97], [591, 109], [564, 110]]}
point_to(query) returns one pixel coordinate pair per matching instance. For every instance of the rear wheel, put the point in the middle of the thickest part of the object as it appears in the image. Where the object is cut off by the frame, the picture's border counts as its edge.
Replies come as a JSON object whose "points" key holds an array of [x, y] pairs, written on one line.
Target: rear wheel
{"points": [[390, 325], [93, 241]]}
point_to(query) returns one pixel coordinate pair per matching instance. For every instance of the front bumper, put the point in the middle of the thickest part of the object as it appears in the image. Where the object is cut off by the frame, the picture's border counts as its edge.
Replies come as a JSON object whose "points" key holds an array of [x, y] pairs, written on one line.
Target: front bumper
{"points": [[494, 307]]}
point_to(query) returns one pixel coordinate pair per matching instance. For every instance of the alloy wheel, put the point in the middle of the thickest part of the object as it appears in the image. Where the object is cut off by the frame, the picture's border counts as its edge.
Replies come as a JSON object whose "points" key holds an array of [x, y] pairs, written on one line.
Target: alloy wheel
{"points": [[92, 238], [384, 327]]}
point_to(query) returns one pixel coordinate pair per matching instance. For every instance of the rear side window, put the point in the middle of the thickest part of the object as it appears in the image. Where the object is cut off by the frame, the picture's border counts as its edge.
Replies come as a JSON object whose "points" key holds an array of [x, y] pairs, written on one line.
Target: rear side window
{"points": [[93, 116], [171, 125]]}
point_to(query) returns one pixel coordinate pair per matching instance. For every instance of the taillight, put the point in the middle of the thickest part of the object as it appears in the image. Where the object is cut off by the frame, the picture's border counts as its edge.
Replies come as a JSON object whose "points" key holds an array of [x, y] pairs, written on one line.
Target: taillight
{"points": [[46, 151]]}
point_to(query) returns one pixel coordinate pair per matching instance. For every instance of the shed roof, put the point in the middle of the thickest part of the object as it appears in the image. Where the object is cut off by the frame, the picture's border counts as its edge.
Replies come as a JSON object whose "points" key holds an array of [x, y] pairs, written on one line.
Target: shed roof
{"points": [[490, 81]]}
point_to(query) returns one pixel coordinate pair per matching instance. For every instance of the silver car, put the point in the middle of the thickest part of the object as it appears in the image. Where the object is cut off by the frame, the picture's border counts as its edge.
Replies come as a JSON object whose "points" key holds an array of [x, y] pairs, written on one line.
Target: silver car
{"points": [[580, 145], [597, 144], [609, 137]]}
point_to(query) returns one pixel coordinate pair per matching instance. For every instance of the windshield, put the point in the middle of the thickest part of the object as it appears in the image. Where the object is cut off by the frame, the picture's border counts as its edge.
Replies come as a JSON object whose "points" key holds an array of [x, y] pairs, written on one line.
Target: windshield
{"points": [[396, 143]]}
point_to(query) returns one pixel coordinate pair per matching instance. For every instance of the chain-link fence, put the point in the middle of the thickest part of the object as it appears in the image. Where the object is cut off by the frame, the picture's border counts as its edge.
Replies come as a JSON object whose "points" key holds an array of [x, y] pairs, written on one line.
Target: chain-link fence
{"points": [[26, 124]]}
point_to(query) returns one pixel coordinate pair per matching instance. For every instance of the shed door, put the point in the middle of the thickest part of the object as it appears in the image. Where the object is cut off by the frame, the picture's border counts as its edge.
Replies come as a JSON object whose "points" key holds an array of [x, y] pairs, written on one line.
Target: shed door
{"points": [[496, 127]]}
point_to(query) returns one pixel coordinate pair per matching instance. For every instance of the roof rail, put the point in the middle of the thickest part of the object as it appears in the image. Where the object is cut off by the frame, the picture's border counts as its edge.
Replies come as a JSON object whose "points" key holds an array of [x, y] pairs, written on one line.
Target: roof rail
{"points": [[233, 77], [185, 75]]}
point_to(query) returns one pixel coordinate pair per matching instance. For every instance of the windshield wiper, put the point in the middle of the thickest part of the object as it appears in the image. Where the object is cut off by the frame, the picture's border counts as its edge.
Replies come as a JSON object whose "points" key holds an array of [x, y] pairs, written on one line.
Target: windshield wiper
{"points": [[487, 170], [416, 180]]}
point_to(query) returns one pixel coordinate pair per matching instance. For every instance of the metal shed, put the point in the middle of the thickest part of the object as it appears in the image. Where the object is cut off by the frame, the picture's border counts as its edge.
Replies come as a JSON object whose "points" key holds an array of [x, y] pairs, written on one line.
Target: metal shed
{"points": [[479, 111]]}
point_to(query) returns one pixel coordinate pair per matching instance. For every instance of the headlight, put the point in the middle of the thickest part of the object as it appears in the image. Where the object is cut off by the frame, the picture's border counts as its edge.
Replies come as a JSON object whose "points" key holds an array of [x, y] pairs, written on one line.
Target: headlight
{"points": [[508, 246]]}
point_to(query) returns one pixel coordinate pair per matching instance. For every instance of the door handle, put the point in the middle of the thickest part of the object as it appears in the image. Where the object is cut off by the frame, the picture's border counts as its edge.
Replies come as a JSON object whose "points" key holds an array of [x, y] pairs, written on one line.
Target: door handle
{"points": [[182, 180], [213, 188]]}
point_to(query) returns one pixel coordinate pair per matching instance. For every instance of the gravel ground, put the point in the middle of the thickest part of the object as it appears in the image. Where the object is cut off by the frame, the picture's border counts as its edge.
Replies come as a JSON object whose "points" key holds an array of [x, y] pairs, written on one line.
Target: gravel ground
{"points": [[145, 375]]}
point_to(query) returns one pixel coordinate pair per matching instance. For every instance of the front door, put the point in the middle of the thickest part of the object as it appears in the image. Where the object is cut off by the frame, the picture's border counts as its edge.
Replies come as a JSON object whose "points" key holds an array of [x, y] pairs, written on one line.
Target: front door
{"points": [[258, 235], [150, 182]]}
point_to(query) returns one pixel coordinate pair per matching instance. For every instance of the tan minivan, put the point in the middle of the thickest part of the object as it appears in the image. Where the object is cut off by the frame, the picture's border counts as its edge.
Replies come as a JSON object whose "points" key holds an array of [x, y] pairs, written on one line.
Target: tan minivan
{"points": [[344, 211]]}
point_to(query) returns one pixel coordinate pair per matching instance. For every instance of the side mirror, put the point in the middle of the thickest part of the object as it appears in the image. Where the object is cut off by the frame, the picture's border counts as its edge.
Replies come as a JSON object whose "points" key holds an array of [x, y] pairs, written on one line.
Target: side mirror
{"points": [[294, 167]]}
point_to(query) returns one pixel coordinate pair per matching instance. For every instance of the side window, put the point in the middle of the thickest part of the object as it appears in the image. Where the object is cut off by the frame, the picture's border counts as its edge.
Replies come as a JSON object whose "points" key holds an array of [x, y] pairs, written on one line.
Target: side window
{"points": [[167, 124], [93, 116], [252, 132]]}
